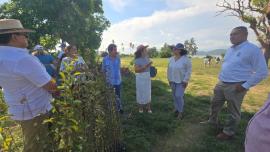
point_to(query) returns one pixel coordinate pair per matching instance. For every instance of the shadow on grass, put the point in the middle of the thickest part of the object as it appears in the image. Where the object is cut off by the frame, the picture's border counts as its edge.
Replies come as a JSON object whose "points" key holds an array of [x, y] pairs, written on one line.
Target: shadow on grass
{"points": [[142, 130], [203, 137], [162, 132]]}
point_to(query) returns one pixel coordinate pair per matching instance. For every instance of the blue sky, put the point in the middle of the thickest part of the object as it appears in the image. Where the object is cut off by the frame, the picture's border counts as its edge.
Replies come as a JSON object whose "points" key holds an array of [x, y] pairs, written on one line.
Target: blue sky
{"points": [[155, 22], [119, 10]]}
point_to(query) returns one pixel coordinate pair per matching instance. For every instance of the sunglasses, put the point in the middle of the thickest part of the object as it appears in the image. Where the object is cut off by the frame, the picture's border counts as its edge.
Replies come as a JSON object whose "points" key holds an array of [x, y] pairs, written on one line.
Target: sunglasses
{"points": [[23, 34]]}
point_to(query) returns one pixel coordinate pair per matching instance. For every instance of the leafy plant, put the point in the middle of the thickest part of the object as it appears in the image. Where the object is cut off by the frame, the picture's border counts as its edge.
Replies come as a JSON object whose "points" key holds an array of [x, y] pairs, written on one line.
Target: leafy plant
{"points": [[83, 117]]}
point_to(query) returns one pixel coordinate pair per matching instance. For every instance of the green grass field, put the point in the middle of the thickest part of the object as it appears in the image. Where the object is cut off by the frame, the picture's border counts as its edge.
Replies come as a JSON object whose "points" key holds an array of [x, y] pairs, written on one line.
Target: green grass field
{"points": [[161, 132]]}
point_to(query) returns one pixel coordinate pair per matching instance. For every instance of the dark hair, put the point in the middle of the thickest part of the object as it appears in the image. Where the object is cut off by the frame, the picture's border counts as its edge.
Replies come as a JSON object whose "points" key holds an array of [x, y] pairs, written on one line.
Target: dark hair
{"points": [[111, 47], [242, 28], [138, 53], [183, 52], [68, 48], [5, 38]]}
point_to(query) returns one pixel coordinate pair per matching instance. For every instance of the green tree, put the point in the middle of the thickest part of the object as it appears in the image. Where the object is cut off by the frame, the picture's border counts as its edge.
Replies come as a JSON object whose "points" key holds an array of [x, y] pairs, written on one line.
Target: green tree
{"points": [[166, 51], [152, 52], [252, 12], [191, 46], [79, 22]]}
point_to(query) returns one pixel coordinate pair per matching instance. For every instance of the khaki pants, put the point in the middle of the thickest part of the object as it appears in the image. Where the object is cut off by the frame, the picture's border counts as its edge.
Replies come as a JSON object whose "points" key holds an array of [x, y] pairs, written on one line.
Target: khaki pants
{"points": [[227, 92], [35, 133]]}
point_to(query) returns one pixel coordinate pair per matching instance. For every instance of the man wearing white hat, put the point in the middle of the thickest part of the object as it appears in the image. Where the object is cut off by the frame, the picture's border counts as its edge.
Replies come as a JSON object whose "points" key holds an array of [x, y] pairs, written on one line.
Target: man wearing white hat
{"points": [[26, 84]]}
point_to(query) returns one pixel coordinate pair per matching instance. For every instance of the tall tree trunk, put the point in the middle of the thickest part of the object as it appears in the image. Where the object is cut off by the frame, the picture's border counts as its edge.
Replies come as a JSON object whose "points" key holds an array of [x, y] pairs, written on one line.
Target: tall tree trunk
{"points": [[266, 52], [268, 10]]}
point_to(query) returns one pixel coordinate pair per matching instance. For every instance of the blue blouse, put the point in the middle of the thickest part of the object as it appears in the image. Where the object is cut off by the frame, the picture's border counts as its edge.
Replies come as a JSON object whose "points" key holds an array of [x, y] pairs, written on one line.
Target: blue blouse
{"points": [[112, 69]]}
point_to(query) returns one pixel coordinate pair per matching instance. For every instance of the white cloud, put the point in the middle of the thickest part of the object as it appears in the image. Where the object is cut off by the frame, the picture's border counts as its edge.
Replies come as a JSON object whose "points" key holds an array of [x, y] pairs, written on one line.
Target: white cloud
{"points": [[197, 20], [135, 29], [119, 5]]}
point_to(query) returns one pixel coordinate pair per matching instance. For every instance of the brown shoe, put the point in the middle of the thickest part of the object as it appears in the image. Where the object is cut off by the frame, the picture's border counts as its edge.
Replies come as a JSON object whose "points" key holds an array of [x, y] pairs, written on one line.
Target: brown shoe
{"points": [[180, 116], [223, 136]]}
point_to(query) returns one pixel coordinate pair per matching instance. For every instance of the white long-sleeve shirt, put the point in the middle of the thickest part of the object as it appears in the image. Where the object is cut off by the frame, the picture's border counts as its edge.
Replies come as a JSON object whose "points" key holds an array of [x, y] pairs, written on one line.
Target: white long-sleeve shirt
{"points": [[244, 63], [180, 70], [22, 77]]}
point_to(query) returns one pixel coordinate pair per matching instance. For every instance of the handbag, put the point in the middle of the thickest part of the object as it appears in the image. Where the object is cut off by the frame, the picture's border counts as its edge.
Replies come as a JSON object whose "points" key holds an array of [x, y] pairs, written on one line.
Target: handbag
{"points": [[153, 71]]}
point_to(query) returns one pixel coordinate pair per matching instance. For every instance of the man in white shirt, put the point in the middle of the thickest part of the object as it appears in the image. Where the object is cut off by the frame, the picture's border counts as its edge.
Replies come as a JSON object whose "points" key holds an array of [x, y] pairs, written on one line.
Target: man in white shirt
{"points": [[244, 66], [26, 84]]}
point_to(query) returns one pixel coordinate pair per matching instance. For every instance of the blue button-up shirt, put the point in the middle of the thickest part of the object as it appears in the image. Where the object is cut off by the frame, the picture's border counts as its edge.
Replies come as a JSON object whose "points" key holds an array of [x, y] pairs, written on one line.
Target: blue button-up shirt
{"points": [[244, 63], [111, 67]]}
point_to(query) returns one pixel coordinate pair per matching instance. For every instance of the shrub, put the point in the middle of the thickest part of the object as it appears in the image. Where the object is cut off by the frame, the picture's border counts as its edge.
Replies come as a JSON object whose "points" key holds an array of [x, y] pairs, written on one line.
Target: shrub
{"points": [[83, 116]]}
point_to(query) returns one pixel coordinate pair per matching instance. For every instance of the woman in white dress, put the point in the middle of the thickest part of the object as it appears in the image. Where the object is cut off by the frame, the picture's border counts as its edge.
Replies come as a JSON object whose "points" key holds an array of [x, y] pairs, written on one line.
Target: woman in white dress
{"points": [[143, 80], [178, 73]]}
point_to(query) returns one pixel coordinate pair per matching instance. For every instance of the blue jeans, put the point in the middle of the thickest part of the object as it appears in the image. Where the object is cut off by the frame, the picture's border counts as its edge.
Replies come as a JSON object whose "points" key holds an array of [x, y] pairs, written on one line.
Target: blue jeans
{"points": [[117, 90], [178, 95]]}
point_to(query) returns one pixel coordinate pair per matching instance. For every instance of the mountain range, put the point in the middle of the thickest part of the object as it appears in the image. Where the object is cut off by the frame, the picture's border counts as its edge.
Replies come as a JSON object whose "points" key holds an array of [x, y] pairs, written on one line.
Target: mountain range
{"points": [[212, 52]]}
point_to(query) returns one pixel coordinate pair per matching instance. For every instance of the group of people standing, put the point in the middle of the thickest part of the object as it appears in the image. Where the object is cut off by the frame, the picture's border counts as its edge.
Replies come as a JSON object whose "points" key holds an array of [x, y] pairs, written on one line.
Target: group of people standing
{"points": [[179, 72], [244, 66], [27, 86], [67, 55]]}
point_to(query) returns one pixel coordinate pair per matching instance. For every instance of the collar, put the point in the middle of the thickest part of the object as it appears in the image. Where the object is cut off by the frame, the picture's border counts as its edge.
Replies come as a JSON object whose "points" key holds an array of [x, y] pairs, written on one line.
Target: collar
{"points": [[236, 47], [4, 47], [110, 58]]}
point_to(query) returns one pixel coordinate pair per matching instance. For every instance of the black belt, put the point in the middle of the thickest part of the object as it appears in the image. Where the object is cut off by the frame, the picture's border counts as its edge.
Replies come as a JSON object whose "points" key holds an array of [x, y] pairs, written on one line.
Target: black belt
{"points": [[241, 82]]}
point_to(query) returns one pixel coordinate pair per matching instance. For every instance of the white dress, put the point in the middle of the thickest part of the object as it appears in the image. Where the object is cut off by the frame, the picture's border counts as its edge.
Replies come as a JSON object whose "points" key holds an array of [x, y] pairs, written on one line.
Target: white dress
{"points": [[143, 83]]}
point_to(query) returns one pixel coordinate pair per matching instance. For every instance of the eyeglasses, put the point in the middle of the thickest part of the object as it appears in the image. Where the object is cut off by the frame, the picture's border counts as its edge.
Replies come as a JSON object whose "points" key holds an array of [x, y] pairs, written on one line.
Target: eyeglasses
{"points": [[23, 34]]}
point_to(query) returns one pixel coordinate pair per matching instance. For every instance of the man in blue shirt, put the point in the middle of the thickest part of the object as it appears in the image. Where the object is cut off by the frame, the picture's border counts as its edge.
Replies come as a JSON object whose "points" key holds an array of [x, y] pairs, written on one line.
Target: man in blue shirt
{"points": [[244, 66], [111, 66], [46, 59]]}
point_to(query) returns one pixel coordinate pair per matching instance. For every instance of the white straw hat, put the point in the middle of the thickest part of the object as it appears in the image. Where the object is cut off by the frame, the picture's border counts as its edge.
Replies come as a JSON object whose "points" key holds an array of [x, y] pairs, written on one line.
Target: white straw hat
{"points": [[12, 26]]}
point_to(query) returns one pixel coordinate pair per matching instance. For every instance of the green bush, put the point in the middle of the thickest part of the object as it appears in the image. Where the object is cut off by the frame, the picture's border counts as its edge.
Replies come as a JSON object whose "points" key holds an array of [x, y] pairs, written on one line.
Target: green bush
{"points": [[83, 116]]}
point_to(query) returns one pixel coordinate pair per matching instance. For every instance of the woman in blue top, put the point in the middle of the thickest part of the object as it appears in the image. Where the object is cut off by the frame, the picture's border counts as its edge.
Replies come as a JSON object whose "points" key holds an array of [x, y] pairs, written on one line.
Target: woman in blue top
{"points": [[46, 59]]}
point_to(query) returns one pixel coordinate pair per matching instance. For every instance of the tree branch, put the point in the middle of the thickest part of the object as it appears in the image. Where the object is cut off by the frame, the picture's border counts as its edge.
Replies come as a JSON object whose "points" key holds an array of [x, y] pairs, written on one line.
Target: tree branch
{"points": [[245, 11], [251, 8]]}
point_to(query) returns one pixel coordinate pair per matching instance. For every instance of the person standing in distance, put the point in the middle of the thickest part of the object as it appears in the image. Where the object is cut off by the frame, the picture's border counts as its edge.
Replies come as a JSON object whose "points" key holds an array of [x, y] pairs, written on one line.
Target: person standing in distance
{"points": [[111, 66]]}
